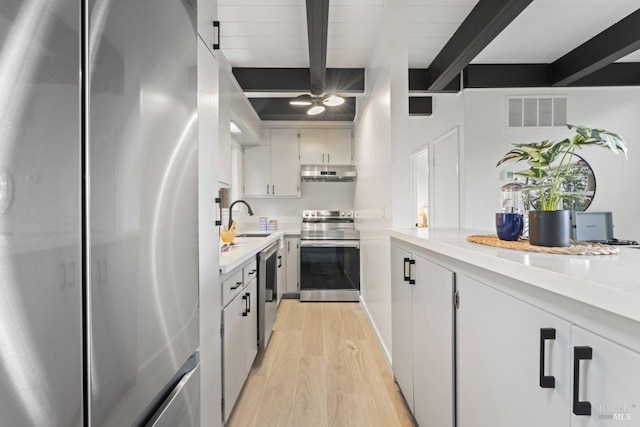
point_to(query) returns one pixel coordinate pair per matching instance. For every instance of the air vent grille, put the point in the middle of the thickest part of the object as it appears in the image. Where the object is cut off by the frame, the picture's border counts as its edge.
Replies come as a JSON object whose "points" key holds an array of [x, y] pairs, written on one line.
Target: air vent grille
{"points": [[536, 112]]}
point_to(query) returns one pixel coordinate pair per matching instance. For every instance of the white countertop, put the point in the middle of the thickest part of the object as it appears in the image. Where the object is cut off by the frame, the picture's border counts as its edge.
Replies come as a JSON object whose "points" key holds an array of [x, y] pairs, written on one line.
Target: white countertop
{"points": [[247, 247], [609, 282]]}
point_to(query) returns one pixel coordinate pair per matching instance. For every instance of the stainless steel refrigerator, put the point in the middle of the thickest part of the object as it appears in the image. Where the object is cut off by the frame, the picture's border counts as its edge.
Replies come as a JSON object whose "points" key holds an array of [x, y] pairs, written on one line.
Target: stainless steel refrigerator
{"points": [[98, 213], [40, 207], [143, 224]]}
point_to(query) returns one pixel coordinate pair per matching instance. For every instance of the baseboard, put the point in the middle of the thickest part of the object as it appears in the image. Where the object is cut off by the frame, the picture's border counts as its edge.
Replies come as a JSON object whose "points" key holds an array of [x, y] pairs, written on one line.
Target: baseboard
{"points": [[383, 347]]}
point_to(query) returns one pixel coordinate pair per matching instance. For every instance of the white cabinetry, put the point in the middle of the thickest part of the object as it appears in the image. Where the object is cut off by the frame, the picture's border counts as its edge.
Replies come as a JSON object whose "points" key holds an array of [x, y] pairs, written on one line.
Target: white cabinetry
{"points": [[292, 264], [608, 382], [224, 133], [501, 351], [240, 335], [207, 13], [325, 146], [273, 170], [423, 330]]}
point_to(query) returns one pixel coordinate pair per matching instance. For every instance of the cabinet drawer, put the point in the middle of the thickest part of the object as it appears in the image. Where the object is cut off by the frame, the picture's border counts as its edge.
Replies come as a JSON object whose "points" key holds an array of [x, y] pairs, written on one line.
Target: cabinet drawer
{"points": [[232, 287], [250, 272]]}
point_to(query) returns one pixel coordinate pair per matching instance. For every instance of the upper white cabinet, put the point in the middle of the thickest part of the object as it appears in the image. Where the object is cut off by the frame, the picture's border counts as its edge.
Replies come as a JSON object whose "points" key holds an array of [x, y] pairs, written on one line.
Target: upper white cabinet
{"points": [[505, 348], [326, 146], [224, 134], [273, 170], [422, 332], [207, 13]]}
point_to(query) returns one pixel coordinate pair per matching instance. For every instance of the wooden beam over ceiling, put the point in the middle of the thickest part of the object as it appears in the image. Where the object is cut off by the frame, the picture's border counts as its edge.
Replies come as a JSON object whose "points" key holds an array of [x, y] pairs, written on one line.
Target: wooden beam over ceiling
{"points": [[317, 27], [615, 42], [418, 78], [280, 109], [343, 80], [487, 19]]}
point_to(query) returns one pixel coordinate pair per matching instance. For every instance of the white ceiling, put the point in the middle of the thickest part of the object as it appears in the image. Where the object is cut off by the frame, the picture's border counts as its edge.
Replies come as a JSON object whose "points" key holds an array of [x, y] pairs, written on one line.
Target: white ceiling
{"points": [[548, 29], [273, 33]]}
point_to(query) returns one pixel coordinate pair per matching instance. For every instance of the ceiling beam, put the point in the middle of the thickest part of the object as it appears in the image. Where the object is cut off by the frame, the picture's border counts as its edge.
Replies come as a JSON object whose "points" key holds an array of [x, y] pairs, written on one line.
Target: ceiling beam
{"points": [[280, 109], [420, 105], [616, 74], [487, 19], [615, 42], [317, 27], [343, 80], [418, 78]]}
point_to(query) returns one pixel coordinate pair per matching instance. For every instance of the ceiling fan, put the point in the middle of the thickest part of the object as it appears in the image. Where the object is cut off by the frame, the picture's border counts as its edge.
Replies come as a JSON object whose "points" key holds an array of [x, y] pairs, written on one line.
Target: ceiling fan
{"points": [[317, 25]]}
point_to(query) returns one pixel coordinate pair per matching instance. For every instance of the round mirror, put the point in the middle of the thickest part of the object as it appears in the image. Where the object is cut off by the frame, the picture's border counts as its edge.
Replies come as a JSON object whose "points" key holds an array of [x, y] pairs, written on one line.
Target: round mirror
{"points": [[581, 182]]}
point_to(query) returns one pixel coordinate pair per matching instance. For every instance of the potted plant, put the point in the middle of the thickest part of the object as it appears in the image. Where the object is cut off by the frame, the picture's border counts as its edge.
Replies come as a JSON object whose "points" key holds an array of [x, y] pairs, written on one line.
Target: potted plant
{"points": [[550, 164]]}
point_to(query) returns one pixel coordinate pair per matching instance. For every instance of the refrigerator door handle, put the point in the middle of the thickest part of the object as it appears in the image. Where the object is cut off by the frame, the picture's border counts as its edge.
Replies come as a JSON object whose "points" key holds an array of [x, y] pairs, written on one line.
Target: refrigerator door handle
{"points": [[219, 219]]}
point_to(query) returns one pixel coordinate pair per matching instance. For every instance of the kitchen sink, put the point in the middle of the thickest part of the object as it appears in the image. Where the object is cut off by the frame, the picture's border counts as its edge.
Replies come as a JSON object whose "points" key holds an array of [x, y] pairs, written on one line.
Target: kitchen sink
{"points": [[254, 235]]}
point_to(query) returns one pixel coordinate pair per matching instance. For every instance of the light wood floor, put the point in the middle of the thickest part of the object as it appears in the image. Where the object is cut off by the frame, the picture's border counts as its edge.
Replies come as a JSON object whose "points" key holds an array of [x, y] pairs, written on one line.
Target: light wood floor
{"points": [[322, 367]]}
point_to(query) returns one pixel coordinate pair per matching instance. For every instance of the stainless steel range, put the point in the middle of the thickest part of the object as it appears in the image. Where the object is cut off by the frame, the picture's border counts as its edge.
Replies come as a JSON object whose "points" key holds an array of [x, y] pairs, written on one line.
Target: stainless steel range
{"points": [[329, 256]]}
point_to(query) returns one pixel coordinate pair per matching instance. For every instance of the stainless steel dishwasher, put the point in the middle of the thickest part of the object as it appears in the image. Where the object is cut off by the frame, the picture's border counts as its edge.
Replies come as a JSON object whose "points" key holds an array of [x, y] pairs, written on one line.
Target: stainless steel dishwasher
{"points": [[267, 293]]}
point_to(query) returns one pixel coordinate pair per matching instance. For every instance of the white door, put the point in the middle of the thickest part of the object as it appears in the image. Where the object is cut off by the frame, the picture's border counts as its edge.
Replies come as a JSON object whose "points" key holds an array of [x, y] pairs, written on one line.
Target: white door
{"points": [[251, 325], [285, 163], [233, 348], [433, 344], [498, 361], [609, 382], [338, 146], [312, 146], [292, 246], [257, 171], [401, 323], [446, 181]]}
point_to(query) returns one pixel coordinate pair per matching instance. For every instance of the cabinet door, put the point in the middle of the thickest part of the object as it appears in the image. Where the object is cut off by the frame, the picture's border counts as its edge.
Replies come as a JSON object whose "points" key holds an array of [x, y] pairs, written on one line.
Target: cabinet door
{"points": [[285, 163], [233, 348], [338, 146], [610, 382], [401, 324], [312, 146], [498, 361], [282, 274], [433, 344], [251, 325], [224, 133], [292, 264], [206, 15], [257, 170]]}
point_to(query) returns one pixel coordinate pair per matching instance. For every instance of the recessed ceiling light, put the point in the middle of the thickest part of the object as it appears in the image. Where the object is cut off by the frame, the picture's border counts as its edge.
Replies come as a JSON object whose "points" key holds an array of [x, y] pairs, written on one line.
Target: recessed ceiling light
{"points": [[234, 128], [301, 100], [315, 110], [333, 101]]}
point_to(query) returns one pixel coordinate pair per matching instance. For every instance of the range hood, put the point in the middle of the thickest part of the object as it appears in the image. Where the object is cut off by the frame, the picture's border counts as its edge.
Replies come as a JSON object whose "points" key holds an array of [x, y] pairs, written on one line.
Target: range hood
{"points": [[328, 173]]}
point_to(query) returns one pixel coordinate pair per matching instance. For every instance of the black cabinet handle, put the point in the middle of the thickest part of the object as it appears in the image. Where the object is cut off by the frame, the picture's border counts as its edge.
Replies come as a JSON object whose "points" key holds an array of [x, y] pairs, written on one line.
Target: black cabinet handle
{"points": [[407, 270], [252, 272], [244, 313], [546, 381], [238, 284], [279, 261], [580, 353], [248, 295], [411, 262], [219, 203]]}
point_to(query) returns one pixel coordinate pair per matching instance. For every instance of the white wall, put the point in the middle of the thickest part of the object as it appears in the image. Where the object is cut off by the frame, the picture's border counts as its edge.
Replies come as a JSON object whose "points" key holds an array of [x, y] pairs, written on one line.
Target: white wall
{"points": [[381, 112], [487, 139]]}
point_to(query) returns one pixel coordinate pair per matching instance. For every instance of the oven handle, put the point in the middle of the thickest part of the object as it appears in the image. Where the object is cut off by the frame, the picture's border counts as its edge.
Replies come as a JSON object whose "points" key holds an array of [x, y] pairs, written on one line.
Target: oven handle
{"points": [[330, 244]]}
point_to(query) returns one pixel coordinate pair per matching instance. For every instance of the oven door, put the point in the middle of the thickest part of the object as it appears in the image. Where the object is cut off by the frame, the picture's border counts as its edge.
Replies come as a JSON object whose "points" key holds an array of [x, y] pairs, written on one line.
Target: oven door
{"points": [[329, 270]]}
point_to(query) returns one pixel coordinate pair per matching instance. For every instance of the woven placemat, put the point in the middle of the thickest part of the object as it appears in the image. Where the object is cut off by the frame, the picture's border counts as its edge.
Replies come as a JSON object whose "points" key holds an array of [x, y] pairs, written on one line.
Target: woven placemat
{"points": [[576, 248]]}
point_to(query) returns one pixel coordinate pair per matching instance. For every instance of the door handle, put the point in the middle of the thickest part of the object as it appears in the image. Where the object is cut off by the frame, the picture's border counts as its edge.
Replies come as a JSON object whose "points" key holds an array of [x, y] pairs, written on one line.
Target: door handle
{"points": [[248, 295], [244, 313], [546, 381], [411, 262], [580, 353], [280, 261], [273, 190], [238, 284], [322, 157], [329, 158], [252, 272], [267, 188]]}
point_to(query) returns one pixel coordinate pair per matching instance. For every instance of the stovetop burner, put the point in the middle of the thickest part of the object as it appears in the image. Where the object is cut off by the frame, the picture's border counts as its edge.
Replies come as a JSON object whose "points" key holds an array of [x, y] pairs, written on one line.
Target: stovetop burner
{"points": [[328, 225]]}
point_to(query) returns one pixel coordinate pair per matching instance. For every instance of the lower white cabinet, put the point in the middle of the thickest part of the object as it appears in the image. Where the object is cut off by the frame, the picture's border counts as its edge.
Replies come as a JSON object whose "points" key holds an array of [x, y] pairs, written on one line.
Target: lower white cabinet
{"points": [[501, 351], [422, 331], [292, 263], [239, 343], [608, 382]]}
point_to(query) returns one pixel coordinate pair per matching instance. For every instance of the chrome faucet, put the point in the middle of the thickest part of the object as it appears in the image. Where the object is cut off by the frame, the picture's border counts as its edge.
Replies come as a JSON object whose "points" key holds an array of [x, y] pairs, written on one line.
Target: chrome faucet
{"points": [[231, 207]]}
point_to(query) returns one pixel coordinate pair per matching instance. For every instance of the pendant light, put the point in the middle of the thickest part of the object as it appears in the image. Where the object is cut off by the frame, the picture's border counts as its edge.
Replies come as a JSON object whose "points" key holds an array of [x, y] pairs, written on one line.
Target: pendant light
{"points": [[316, 109]]}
